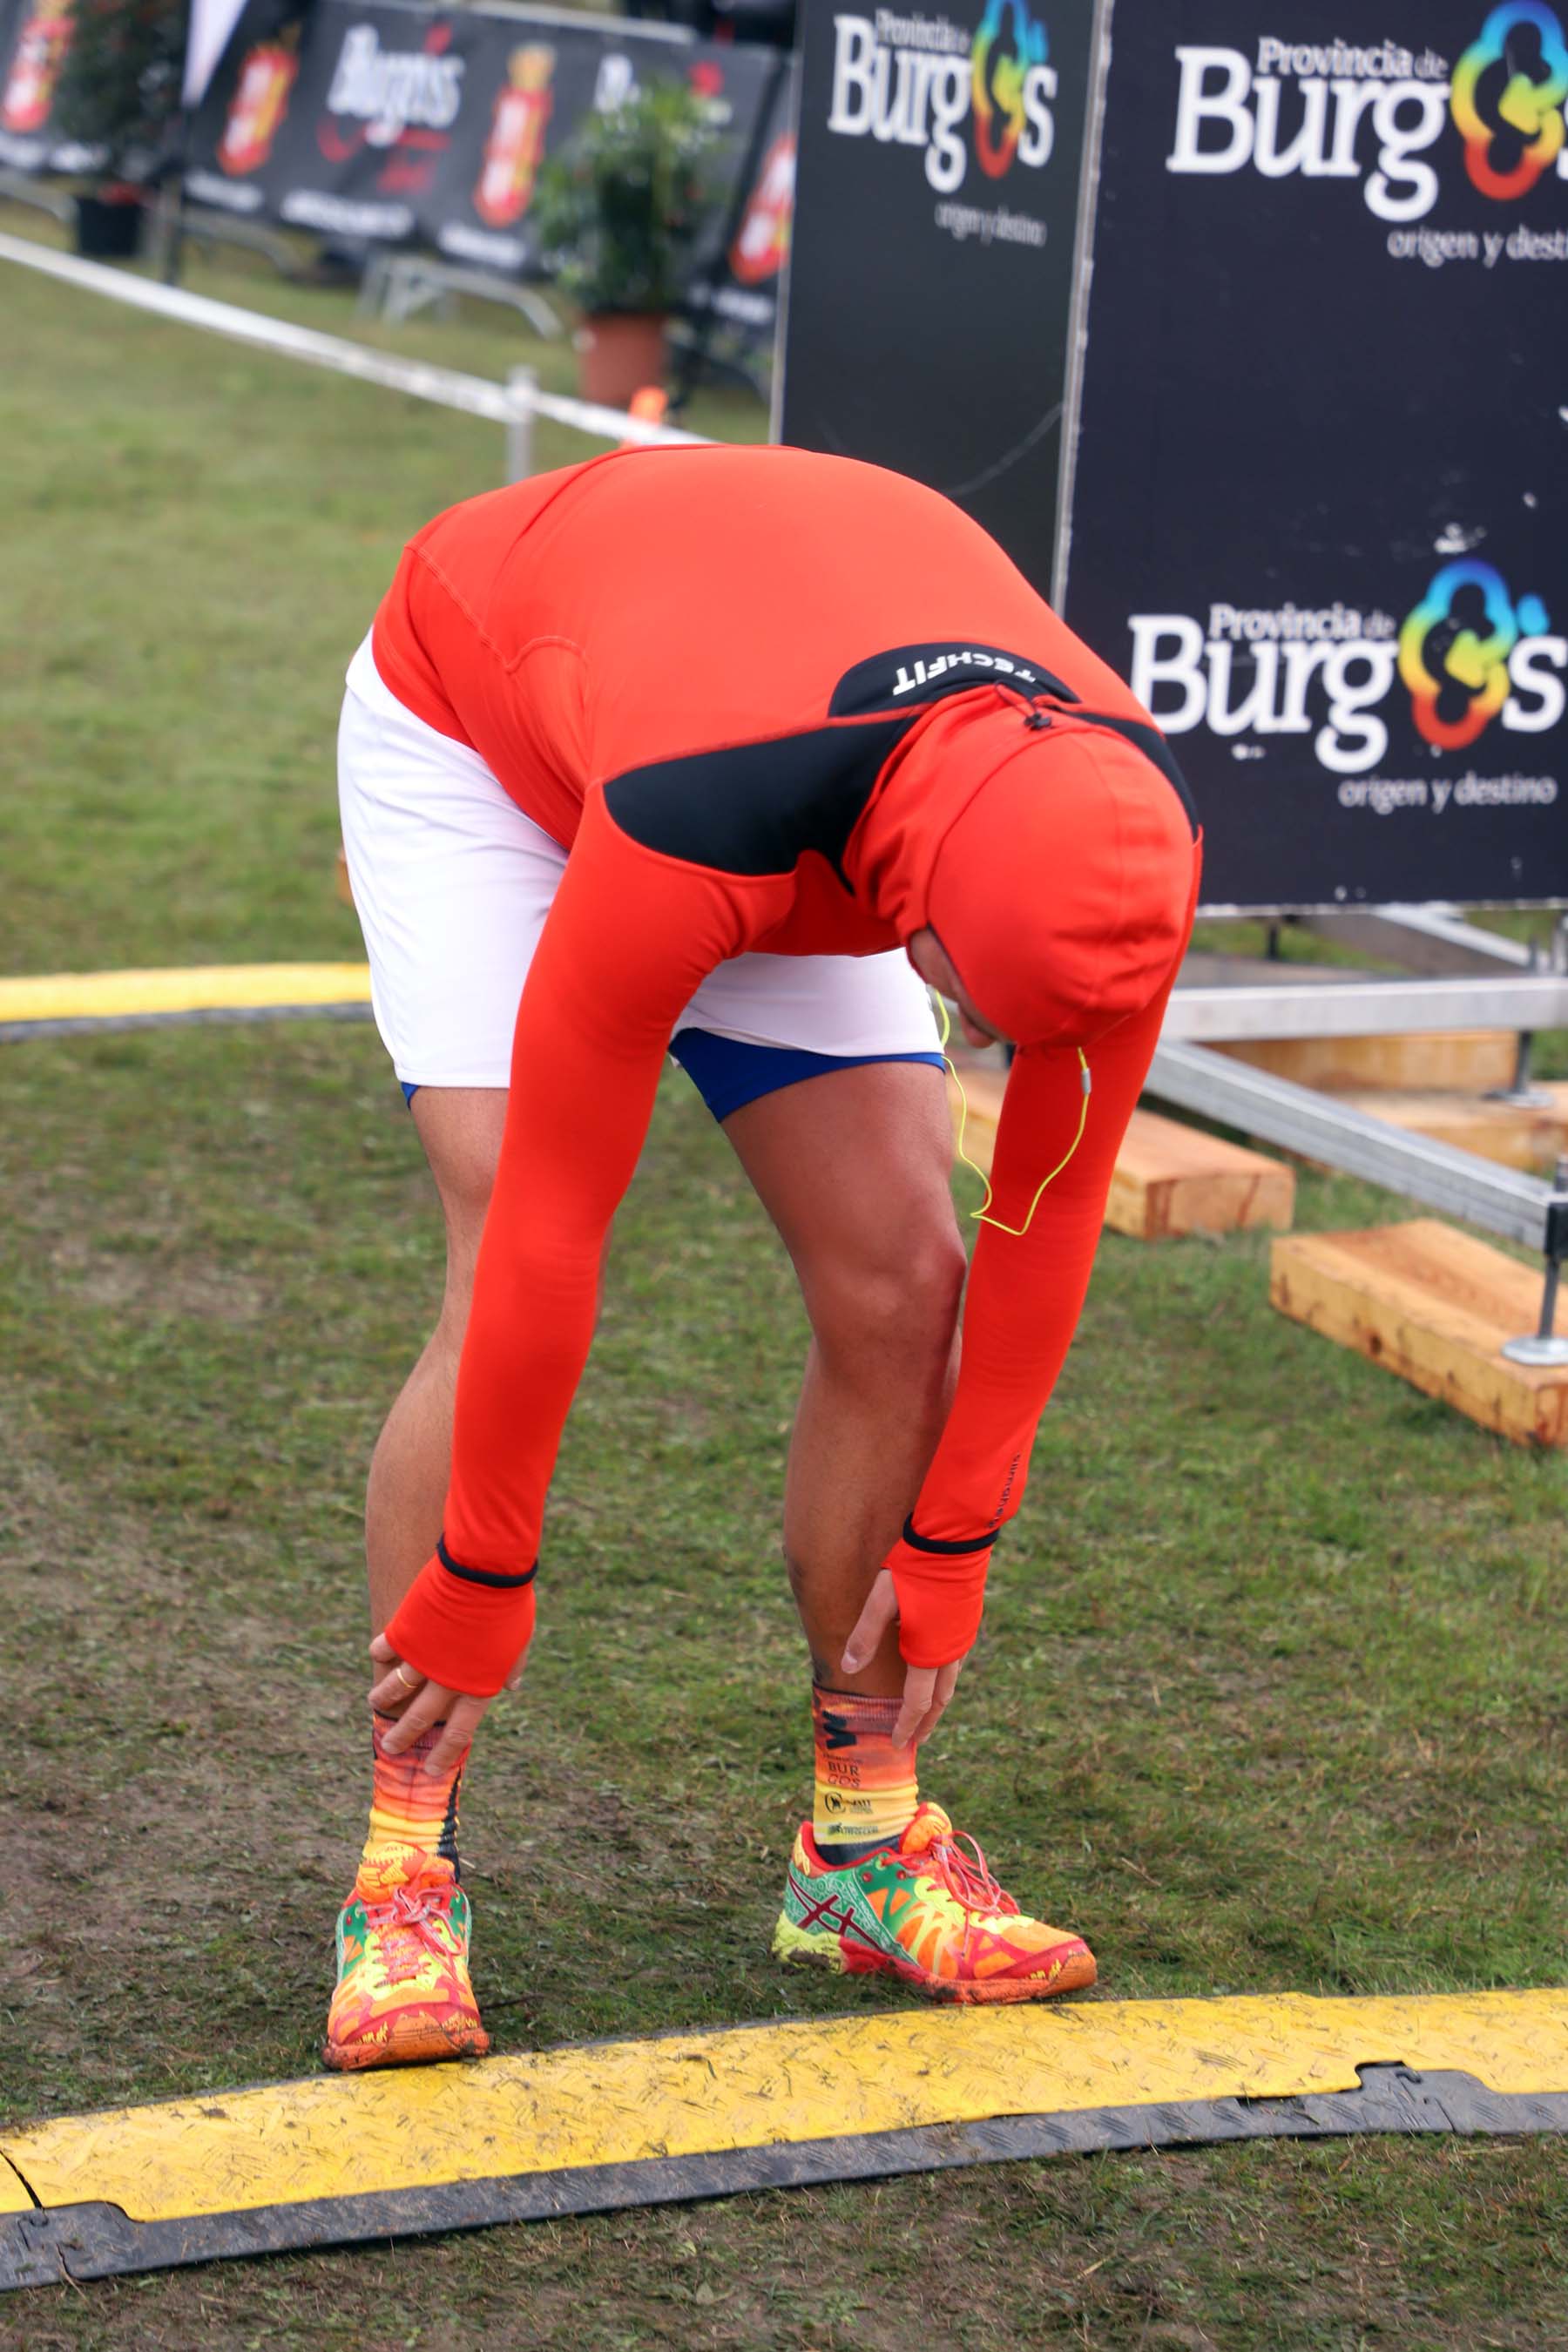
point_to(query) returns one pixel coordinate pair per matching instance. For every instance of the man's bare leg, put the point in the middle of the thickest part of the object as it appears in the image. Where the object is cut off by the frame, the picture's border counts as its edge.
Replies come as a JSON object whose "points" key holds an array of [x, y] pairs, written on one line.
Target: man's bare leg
{"points": [[460, 1128], [853, 1169], [404, 1994]]}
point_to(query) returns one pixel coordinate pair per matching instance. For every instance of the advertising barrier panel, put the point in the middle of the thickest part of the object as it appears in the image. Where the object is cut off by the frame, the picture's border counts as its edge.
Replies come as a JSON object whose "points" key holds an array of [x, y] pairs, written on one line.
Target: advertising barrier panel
{"points": [[391, 123], [932, 265], [35, 38], [734, 289], [394, 123], [1317, 508], [1311, 493]]}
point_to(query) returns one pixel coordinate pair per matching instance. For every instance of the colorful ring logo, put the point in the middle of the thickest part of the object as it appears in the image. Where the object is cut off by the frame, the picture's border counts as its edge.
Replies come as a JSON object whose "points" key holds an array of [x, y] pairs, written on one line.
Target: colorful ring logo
{"points": [[1454, 652], [999, 72], [1518, 70]]}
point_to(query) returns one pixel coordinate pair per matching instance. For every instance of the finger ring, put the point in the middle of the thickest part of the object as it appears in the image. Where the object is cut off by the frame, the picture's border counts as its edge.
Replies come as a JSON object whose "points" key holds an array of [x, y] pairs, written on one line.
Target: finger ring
{"points": [[408, 1681]]}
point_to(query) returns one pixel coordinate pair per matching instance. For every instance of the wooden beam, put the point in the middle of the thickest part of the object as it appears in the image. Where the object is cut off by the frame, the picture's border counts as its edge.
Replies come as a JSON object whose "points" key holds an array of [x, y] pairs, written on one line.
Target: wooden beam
{"points": [[1172, 1179], [1451, 1061], [1169, 1178], [1519, 1135], [1433, 1305]]}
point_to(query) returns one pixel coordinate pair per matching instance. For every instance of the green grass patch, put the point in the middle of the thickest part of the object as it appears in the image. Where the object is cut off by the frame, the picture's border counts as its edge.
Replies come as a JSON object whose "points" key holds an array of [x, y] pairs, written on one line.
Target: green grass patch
{"points": [[197, 539], [1271, 1694]]}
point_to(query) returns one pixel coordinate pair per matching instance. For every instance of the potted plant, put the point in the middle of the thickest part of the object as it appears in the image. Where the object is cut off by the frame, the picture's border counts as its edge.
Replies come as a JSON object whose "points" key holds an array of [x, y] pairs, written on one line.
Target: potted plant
{"points": [[618, 217], [119, 92]]}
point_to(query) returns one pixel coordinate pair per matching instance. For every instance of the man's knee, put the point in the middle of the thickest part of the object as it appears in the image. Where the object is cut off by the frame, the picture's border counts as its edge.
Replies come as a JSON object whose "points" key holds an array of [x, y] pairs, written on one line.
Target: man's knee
{"points": [[892, 1304]]}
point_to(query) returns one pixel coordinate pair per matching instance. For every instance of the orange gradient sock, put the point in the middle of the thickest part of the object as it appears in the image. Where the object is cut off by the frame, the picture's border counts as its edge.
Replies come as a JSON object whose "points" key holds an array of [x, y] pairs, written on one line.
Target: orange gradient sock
{"points": [[866, 1789], [413, 1829]]}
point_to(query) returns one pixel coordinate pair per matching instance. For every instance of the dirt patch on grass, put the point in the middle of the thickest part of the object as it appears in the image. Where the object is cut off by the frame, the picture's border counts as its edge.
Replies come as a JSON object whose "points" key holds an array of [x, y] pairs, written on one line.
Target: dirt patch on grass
{"points": [[158, 1283]]}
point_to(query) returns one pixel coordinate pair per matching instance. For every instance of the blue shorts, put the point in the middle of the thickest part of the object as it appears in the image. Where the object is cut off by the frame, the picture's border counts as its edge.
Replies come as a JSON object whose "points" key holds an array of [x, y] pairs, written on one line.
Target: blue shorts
{"points": [[729, 1074]]}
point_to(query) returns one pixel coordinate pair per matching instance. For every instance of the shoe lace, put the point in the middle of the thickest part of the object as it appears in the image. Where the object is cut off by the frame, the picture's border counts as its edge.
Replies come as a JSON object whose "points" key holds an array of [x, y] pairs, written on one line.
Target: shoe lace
{"points": [[413, 1924], [967, 1876]]}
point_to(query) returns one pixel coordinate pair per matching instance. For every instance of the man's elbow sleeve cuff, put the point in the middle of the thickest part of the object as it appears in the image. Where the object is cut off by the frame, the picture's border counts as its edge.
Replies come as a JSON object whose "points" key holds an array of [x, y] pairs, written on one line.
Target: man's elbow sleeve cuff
{"points": [[465, 1628]]}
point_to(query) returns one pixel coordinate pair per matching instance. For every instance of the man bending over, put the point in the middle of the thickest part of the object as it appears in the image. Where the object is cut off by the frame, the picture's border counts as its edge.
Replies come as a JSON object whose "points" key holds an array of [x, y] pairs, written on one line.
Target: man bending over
{"points": [[728, 752]]}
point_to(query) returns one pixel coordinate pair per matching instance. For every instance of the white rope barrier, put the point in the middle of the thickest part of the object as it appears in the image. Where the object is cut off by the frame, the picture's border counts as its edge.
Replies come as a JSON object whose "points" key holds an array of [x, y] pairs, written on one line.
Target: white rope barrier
{"points": [[513, 404]]}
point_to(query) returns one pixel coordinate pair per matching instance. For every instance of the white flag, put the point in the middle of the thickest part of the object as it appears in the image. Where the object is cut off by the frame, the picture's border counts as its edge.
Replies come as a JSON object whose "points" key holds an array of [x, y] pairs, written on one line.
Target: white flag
{"points": [[212, 22]]}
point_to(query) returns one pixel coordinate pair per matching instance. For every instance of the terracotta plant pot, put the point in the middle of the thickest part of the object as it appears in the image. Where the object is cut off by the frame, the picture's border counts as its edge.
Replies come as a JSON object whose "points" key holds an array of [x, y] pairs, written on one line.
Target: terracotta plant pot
{"points": [[617, 352]]}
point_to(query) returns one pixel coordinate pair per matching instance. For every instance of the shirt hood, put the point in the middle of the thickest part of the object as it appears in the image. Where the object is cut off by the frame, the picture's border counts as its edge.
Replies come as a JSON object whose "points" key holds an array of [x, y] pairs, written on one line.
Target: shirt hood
{"points": [[1055, 862]]}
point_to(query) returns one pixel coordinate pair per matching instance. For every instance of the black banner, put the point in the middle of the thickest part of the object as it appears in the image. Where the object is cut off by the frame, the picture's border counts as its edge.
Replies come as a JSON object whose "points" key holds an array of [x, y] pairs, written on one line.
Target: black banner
{"points": [[1317, 515], [392, 123], [735, 285], [35, 37], [931, 274]]}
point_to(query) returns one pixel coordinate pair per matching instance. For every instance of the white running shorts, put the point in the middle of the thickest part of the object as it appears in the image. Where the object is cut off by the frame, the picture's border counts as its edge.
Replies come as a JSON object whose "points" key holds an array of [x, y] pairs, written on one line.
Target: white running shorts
{"points": [[452, 884]]}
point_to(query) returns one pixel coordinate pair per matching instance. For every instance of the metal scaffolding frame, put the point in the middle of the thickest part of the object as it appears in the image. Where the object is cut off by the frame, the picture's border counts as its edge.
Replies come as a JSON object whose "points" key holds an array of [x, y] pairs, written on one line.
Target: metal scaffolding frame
{"points": [[1503, 986], [1366, 1008], [1434, 939]]}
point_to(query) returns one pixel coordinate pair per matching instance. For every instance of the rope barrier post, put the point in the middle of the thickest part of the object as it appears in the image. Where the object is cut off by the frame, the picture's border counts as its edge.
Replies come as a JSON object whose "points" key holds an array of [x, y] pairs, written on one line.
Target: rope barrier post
{"points": [[173, 191], [523, 391]]}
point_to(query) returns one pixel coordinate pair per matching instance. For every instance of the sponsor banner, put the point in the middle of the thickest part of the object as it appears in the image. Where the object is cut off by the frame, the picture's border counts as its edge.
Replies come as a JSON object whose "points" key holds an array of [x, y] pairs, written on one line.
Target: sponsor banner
{"points": [[931, 275], [11, 12], [34, 39], [397, 124], [736, 283], [236, 135], [355, 121], [1317, 513]]}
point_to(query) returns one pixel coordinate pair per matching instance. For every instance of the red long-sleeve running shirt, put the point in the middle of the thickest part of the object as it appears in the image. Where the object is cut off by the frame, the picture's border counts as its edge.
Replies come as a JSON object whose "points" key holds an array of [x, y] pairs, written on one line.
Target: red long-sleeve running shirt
{"points": [[772, 700]]}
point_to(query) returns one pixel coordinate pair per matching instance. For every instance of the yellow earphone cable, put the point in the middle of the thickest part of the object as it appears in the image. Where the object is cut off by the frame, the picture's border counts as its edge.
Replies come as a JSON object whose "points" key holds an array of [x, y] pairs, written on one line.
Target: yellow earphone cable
{"points": [[981, 1214]]}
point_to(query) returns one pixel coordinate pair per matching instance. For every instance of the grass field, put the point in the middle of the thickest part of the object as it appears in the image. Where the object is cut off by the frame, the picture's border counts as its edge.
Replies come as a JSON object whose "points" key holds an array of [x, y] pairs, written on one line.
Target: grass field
{"points": [[1272, 1693]]}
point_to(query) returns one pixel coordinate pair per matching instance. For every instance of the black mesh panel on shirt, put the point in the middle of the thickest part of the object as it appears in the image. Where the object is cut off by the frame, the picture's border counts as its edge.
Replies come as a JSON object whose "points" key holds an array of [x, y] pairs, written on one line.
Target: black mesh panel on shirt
{"points": [[756, 808]]}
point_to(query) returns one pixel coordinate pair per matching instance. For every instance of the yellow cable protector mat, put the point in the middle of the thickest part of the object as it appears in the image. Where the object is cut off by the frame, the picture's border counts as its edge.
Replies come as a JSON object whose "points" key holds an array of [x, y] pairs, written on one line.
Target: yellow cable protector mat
{"points": [[615, 2102], [235, 987]]}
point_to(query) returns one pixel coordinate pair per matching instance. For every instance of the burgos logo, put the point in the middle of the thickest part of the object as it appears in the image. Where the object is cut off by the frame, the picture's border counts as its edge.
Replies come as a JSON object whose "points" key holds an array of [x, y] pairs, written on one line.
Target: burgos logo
{"points": [[1455, 650], [1507, 98], [388, 90], [913, 81], [1002, 63], [1466, 655]]}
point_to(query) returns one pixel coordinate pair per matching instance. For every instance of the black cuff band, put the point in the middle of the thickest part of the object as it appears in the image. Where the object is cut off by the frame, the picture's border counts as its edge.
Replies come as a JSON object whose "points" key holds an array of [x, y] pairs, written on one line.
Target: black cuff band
{"points": [[483, 1575], [949, 1551]]}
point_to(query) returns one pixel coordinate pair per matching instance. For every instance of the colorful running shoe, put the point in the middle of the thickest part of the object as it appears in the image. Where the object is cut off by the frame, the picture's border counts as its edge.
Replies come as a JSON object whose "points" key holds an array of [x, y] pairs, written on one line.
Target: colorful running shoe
{"points": [[404, 1996], [929, 1912]]}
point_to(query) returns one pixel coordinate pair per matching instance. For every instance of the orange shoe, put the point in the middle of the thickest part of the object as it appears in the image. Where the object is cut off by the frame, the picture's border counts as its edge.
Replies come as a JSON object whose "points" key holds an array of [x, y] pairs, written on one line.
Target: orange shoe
{"points": [[402, 1996], [926, 1911]]}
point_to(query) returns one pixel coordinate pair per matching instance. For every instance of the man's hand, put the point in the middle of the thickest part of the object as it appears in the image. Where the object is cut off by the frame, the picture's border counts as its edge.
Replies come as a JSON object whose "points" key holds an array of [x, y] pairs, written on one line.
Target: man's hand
{"points": [[927, 1689], [403, 1692]]}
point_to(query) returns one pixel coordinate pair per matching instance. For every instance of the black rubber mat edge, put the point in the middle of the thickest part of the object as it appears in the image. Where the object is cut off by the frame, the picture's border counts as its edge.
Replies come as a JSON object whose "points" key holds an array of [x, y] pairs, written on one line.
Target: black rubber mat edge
{"points": [[88, 2241]]}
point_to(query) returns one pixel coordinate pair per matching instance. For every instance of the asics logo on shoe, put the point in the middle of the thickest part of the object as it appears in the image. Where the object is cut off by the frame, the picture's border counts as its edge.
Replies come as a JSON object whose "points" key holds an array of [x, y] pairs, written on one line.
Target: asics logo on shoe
{"points": [[816, 1913]]}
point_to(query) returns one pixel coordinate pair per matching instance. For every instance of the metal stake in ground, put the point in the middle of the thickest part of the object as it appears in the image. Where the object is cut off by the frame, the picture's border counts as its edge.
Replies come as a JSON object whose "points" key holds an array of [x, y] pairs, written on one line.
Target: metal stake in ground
{"points": [[1543, 1347]]}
